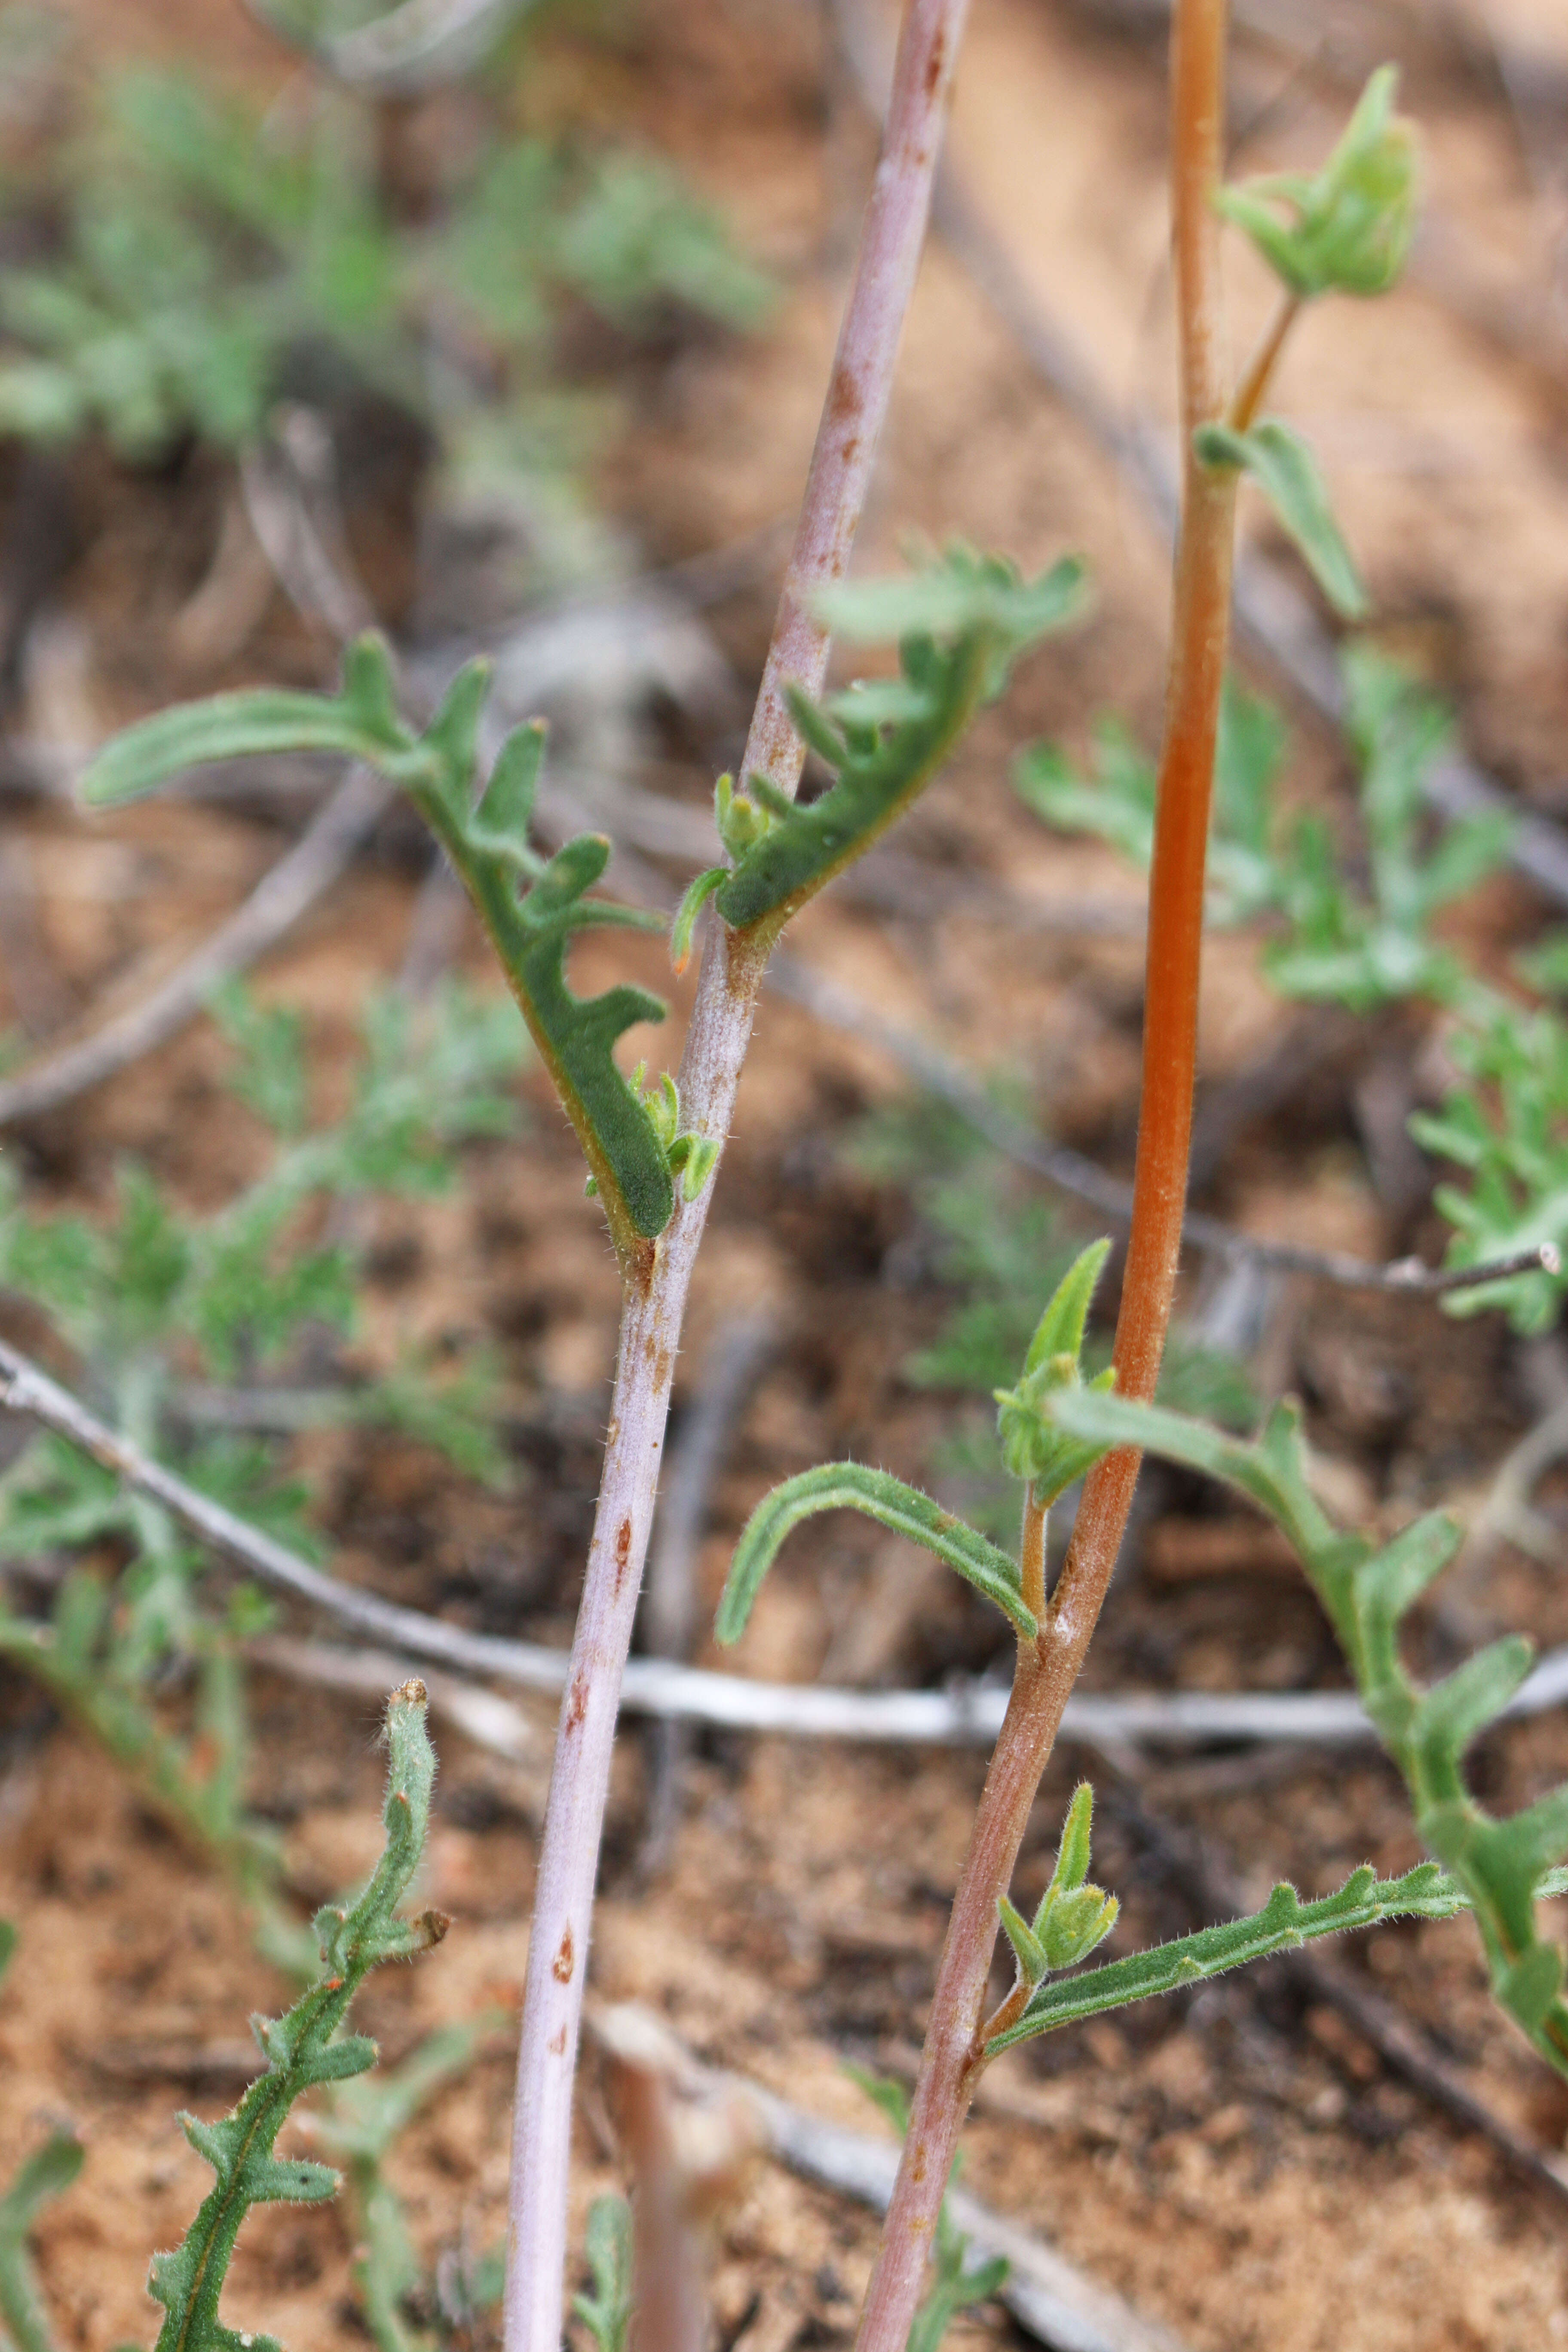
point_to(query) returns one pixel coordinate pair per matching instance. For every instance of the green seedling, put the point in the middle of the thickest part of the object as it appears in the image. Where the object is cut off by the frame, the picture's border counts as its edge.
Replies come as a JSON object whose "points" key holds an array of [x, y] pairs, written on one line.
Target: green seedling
{"points": [[1498, 1868], [152, 1303], [1506, 1125], [213, 262], [1245, 877], [1338, 931]]}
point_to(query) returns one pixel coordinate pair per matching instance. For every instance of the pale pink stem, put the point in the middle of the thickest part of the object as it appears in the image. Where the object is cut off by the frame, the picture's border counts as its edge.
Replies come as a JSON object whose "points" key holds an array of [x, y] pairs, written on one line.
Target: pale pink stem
{"points": [[657, 1283]]}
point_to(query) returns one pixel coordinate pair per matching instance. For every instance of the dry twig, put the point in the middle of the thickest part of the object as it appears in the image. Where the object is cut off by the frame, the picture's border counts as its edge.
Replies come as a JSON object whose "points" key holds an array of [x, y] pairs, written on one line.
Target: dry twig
{"points": [[285, 892], [964, 1714]]}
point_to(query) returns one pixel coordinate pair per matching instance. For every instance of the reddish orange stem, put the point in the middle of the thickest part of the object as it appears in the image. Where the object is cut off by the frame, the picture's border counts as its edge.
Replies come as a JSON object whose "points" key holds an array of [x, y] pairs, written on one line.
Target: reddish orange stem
{"points": [[955, 2049]]}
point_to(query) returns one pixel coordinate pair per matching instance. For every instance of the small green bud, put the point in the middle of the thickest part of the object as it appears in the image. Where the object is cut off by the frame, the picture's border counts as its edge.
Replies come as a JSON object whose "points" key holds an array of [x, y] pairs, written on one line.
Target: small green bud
{"points": [[1032, 1447], [700, 1162], [1353, 220], [743, 820], [1074, 1916], [663, 1107], [1076, 1923]]}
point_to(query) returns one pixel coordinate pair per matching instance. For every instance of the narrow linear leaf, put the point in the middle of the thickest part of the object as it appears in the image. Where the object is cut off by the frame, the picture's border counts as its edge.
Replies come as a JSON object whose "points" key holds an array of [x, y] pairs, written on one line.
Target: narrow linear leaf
{"points": [[963, 623], [232, 727], [44, 2176], [850, 1485]]}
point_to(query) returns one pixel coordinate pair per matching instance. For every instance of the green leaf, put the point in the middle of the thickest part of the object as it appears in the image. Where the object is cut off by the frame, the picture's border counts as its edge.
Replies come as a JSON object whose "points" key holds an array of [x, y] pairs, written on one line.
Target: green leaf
{"points": [[1506, 1125], [961, 595], [532, 928], [45, 2175], [963, 622], [303, 2049], [231, 727], [271, 1078], [1456, 1710], [1027, 1949], [697, 895], [1073, 1854], [1285, 470], [1394, 1580], [1270, 1472], [851, 1485], [1284, 1924], [1497, 1866], [884, 2093]]}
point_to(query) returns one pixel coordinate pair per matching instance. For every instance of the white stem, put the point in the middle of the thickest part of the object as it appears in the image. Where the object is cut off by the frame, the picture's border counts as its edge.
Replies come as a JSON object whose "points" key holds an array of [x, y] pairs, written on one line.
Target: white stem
{"points": [[891, 238]]}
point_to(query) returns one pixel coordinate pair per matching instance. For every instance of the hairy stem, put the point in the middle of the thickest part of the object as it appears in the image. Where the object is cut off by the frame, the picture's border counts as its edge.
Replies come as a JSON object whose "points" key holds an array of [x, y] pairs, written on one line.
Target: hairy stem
{"points": [[954, 2052], [657, 1278]]}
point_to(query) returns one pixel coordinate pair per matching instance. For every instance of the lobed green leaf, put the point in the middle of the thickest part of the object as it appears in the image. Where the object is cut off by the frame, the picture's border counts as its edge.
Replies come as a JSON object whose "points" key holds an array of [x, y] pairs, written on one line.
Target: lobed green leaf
{"points": [[303, 2049], [532, 909], [1497, 1866], [963, 623]]}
